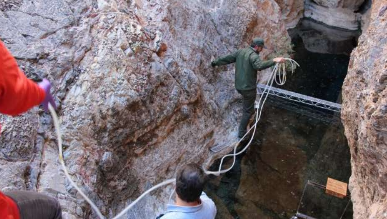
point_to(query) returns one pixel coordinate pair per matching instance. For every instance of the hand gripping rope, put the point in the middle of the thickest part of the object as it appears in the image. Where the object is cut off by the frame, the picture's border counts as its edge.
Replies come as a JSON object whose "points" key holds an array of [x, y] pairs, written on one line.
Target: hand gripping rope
{"points": [[278, 71], [278, 74]]}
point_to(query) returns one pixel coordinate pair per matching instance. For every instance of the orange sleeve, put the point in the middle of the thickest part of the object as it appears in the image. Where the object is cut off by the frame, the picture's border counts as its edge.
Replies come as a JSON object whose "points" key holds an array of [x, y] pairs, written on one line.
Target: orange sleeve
{"points": [[17, 93], [8, 208]]}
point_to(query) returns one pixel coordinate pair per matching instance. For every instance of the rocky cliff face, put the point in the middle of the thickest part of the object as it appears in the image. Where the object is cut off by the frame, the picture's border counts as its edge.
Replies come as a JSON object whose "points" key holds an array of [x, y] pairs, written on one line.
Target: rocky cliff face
{"points": [[320, 38], [292, 11], [137, 97], [336, 13], [364, 116], [343, 14]]}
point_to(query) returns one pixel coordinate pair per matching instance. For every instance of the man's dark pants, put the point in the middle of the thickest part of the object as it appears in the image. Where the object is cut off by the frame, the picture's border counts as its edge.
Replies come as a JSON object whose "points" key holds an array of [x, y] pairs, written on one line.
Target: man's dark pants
{"points": [[33, 205], [248, 109]]}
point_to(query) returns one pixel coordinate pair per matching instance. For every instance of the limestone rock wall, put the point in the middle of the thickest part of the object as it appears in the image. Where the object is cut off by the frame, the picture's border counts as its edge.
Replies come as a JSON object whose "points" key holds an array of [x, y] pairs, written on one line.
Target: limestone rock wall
{"points": [[350, 4], [136, 94], [335, 13], [343, 14], [292, 11], [320, 38], [364, 117]]}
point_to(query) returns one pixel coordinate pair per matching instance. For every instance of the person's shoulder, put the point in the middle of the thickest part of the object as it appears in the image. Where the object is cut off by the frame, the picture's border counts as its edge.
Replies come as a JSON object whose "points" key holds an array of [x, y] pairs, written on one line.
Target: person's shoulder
{"points": [[4, 53], [254, 56], [172, 215], [238, 51], [207, 200], [242, 52], [208, 205], [246, 50]]}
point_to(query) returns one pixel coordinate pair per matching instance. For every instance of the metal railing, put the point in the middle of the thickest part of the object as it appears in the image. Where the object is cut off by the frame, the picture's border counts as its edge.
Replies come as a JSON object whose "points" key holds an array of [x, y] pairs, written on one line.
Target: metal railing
{"points": [[300, 98]]}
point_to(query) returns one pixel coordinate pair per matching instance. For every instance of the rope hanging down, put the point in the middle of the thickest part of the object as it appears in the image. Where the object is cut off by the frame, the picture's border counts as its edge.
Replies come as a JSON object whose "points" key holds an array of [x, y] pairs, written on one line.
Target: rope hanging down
{"points": [[278, 70], [93, 206]]}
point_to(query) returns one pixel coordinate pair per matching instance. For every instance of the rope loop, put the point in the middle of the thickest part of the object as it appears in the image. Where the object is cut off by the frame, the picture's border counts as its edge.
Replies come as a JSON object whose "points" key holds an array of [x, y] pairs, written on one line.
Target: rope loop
{"points": [[279, 71]]}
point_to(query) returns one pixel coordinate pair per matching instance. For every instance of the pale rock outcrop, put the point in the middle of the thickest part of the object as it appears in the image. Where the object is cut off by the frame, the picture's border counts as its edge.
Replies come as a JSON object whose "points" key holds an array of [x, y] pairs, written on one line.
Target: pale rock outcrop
{"points": [[292, 11], [344, 14], [320, 38], [335, 13], [350, 4], [137, 96], [364, 115]]}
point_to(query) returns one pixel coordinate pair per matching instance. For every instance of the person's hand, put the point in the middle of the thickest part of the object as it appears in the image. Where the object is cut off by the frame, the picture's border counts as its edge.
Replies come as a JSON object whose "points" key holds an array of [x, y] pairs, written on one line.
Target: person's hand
{"points": [[279, 60], [213, 64], [46, 86]]}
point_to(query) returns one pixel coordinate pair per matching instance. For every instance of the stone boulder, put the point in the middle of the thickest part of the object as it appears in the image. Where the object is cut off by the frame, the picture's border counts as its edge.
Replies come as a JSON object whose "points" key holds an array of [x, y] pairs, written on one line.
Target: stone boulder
{"points": [[364, 115]]}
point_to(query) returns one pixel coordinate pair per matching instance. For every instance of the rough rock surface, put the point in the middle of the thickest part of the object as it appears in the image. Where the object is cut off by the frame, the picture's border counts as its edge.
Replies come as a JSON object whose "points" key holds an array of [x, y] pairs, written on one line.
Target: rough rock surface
{"points": [[350, 4], [335, 13], [364, 116], [292, 11], [136, 93], [320, 38]]}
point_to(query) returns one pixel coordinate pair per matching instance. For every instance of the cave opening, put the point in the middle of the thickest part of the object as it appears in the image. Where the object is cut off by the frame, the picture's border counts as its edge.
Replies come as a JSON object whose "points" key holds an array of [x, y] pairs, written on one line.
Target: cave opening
{"points": [[364, 7], [295, 143]]}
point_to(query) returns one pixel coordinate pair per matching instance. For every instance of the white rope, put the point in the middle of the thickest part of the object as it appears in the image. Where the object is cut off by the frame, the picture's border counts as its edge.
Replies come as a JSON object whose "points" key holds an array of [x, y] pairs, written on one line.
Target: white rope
{"points": [[93, 206], [59, 136], [166, 182], [279, 69]]}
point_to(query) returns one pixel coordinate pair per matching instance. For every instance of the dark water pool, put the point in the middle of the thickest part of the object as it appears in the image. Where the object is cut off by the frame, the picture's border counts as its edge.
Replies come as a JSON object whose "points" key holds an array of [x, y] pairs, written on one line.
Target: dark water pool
{"points": [[291, 147]]}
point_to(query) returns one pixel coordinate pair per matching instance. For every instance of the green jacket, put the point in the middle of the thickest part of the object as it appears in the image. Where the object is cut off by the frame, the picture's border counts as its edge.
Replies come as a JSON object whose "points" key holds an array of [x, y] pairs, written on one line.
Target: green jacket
{"points": [[247, 64]]}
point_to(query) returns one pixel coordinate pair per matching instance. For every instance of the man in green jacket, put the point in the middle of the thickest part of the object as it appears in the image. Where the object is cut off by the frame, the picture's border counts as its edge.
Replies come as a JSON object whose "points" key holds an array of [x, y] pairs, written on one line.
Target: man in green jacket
{"points": [[247, 64]]}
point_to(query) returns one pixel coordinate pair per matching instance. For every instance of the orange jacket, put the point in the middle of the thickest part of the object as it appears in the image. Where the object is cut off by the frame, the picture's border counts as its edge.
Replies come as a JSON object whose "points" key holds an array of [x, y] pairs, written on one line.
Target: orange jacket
{"points": [[8, 208], [17, 95]]}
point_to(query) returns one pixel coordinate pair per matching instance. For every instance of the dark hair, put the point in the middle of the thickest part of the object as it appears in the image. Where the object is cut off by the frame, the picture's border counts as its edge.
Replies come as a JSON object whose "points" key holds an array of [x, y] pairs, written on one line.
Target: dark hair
{"points": [[190, 181]]}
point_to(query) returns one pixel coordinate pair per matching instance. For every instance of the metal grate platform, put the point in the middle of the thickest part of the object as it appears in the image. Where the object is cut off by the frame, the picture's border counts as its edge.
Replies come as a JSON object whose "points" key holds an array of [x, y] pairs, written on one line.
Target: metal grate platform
{"points": [[300, 98]]}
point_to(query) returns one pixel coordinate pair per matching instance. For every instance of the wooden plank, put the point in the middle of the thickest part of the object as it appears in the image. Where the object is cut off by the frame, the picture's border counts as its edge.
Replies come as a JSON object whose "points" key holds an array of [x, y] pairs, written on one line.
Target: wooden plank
{"points": [[336, 188]]}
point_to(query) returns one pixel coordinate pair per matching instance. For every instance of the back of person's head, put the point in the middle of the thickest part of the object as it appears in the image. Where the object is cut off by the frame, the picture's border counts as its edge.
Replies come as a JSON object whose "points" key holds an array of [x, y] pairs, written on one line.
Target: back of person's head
{"points": [[258, 42], [190, 181]]}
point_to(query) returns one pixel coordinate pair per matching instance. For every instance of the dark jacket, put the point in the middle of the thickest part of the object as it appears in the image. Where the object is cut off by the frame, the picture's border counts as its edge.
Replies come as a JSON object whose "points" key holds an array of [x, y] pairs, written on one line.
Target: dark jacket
{"points": [[247, 64]]}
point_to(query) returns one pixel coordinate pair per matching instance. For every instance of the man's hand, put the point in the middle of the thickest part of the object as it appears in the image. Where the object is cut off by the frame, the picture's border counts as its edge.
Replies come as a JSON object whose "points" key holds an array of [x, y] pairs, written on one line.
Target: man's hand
{"points": [[213, 64], [46, 86], [279, 60]]}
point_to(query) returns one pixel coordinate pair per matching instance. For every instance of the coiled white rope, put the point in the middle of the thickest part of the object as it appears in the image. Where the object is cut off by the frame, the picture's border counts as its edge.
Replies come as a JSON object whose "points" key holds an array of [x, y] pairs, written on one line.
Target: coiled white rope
{"points": [[278, 70]]}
